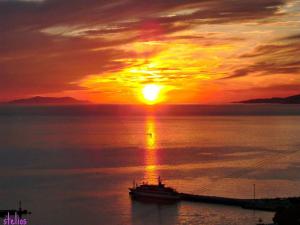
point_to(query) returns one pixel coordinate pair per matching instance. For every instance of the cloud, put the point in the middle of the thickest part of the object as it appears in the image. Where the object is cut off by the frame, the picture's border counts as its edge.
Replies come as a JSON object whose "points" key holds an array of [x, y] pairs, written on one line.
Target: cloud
{"points": [[37, 63], [295, 37], [47, 45], [36, 15], [271, 59], [267, 89]]}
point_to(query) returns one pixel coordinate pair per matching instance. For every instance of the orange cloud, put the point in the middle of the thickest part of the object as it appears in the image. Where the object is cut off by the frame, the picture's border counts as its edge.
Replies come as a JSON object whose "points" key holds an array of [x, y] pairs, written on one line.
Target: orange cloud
{"points": [[107, 52]]}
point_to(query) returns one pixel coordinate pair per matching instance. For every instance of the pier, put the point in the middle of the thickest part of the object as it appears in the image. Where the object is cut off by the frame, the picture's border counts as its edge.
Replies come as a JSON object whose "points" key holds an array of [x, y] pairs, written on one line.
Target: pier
{"points": [[265, 204]]}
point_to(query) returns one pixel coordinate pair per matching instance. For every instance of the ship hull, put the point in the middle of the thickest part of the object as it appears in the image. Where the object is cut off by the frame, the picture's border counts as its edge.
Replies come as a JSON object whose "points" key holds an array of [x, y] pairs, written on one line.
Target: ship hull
{"points": [[153, 197]]}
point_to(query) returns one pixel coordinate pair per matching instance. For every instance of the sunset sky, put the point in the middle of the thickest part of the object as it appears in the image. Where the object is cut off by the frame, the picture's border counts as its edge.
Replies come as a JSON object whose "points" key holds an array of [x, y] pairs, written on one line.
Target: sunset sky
{"points": [[190, 51]]}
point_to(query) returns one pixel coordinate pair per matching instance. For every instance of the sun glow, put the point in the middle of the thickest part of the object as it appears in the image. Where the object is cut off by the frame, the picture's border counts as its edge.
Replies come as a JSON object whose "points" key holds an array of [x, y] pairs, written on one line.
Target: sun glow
{"points": [[155, 78], [151, 93]]}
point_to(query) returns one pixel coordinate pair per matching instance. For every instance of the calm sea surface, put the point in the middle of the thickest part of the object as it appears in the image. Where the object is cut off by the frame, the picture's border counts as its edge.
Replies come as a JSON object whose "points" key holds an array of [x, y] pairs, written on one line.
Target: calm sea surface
{"points": [[73, 165]]}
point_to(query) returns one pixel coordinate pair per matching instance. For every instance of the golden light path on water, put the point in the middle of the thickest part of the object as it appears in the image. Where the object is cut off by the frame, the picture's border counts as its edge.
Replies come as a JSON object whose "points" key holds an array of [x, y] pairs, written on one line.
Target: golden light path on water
{"points": [[150, 174]]}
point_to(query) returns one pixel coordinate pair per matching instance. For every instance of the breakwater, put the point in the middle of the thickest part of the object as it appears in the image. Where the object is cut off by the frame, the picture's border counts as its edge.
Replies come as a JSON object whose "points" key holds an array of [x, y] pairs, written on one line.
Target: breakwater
{"points": [[265, 204]]}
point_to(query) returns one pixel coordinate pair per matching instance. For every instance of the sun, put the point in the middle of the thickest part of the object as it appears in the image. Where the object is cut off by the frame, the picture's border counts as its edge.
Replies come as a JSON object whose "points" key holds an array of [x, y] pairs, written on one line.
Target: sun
{"points": [[151, 93]]}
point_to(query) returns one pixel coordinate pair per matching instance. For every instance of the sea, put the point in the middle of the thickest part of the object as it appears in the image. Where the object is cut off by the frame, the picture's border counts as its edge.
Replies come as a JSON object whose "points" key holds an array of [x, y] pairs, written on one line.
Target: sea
{"points": [[73, 165]]}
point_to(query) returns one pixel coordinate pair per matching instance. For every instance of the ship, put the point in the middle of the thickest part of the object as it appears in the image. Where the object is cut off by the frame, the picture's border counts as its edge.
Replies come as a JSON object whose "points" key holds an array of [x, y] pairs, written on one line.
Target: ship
{"points": [[154, 192]]}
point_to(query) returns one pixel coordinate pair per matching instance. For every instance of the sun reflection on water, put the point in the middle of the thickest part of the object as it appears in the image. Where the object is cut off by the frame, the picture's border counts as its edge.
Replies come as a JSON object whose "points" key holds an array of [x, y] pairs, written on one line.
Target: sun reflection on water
{"points": [[151, 161]]}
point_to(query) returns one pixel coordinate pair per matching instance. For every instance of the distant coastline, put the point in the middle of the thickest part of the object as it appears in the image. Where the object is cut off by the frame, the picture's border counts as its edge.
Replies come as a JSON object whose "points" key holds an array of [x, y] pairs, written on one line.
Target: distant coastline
{"points": [[294, 99], [38, 100]]}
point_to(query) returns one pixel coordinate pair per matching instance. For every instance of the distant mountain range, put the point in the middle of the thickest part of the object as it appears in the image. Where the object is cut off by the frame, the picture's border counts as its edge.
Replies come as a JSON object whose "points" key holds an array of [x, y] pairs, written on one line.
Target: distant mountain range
{"points": [[38, 100], [294, 99]]}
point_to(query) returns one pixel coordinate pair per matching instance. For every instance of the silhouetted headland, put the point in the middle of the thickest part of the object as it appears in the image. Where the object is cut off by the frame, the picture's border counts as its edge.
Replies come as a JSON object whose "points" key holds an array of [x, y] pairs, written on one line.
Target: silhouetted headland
{"points": [[38, 100], [294, 99]]}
